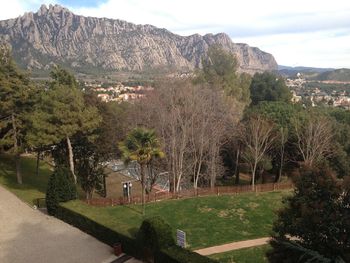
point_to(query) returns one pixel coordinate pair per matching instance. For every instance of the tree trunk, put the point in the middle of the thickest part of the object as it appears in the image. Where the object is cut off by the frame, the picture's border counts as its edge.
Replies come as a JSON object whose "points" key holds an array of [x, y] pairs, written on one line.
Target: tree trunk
{"points": [[71, 159], [143, 188], [18, 168], [237, 165], [253, 176], [16, 150], [37, 163], [278, 177]]}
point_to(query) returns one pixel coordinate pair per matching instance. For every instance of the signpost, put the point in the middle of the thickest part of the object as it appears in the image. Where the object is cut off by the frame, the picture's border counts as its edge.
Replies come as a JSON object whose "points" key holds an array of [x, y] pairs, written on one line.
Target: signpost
{"points": [[181, 238]]}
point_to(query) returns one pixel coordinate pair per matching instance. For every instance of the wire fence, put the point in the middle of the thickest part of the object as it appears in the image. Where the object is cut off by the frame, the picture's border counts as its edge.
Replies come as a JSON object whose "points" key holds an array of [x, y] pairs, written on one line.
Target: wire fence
{"points": [[165, 195]]}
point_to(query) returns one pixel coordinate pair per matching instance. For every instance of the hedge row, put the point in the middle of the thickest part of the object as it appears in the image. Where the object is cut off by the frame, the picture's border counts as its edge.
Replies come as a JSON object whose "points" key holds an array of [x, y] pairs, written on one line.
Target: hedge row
{"points": [[100, 232], [131, 246], [177, 254]]}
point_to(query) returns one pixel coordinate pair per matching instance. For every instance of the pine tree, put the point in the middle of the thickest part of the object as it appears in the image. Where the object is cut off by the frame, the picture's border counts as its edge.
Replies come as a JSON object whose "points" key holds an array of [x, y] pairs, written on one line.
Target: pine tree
{"points": [[15, 93], [62, 113]]}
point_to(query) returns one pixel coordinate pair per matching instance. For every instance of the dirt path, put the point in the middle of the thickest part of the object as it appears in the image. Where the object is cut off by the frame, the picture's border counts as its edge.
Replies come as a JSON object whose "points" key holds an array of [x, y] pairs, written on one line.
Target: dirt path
{"points": [[27, 235], [233, 246]]}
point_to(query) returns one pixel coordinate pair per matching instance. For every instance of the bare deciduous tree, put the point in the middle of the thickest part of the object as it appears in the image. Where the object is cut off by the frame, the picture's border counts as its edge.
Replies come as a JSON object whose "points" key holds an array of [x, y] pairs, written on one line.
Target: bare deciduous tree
{"points": [[257, 137], [192, 121], [314, 139]]}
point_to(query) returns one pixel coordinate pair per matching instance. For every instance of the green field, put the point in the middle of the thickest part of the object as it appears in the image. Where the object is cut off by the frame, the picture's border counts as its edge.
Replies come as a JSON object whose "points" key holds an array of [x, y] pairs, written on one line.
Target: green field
{"points": [[246, 255]]}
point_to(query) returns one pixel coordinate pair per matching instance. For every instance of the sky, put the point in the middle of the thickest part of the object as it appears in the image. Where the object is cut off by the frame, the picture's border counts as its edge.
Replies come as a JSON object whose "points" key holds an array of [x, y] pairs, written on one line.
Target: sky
{"points": [[297, 32]]}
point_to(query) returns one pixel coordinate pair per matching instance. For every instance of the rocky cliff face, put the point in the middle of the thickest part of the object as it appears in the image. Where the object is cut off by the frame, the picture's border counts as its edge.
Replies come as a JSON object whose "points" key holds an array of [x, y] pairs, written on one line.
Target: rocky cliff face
{"points": [[56, 35]]}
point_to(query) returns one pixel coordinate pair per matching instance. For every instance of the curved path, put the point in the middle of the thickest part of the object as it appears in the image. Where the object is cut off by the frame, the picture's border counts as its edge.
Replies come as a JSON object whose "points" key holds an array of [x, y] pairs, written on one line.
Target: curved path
{"points": [[233, 246], [27, 235]]}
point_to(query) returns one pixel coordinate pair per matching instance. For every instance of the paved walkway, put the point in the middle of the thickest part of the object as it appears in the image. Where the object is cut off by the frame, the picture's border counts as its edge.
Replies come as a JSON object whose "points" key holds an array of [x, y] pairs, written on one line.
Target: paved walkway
{"points": [[233, 246], [27, 235]]}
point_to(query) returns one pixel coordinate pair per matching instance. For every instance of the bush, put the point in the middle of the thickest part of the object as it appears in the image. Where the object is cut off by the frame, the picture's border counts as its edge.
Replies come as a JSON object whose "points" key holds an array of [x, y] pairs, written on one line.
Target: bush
{"points": [[155, 234], [100, 232], [61, 188], [157, 243]]}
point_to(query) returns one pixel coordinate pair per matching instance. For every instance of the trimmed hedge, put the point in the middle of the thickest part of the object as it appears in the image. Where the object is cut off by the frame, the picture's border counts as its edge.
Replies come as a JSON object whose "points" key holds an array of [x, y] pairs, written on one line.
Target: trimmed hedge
{"points": [[166, 252], [177, 254], [100, 232], [155, 234]]}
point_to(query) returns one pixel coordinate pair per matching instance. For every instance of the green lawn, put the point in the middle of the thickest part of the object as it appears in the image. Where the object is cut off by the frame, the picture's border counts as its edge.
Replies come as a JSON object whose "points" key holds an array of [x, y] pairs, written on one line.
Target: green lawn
{"points": [[207, 221], [246, 255], [33, 186]]}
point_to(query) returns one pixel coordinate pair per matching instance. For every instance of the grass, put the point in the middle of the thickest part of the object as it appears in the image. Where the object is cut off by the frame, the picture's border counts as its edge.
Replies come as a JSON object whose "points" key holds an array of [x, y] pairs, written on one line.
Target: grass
{"points": [[33, 186], [207, 221], [246, 255]]}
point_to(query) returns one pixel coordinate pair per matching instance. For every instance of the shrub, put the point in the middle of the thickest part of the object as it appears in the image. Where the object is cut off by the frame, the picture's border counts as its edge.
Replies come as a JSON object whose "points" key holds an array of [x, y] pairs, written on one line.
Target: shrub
{"points": [[100, 232], [61, 188], [155, 234]]}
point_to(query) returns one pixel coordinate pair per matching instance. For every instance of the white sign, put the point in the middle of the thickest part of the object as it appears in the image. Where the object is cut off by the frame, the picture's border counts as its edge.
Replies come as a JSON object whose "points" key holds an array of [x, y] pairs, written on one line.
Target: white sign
{"points": [[181, 238]]}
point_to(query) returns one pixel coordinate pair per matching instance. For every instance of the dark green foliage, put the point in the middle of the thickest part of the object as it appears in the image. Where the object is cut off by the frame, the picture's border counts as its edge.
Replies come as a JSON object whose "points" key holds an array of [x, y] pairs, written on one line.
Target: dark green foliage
{"points": [[177, 254], [220, 72], [268, 87], [155, 234], [318, 215], [63, 77], [16, 94], [88, 166], [281, 113], [98, 231], [61, 188]]}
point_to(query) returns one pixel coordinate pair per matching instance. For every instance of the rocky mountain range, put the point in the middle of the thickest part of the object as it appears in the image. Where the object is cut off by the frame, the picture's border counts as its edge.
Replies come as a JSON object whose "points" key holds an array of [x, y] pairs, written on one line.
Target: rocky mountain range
{"points": [[55, 35]]}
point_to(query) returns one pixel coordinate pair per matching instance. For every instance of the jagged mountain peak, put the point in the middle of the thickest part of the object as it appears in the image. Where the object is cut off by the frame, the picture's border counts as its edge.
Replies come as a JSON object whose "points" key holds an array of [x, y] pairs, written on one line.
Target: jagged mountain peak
{"points": [[56, 35]]}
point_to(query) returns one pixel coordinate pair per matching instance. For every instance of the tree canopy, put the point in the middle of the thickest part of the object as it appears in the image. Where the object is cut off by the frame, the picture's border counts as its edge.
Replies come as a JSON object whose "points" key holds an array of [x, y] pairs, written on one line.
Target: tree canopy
{"points": [[16, 94], [315, 221], [220, 71], [268, 87], [141, 145]]}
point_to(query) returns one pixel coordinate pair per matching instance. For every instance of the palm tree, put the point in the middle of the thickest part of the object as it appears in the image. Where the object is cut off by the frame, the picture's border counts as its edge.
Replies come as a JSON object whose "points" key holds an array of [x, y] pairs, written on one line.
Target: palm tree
{"points": [[141, 145]]}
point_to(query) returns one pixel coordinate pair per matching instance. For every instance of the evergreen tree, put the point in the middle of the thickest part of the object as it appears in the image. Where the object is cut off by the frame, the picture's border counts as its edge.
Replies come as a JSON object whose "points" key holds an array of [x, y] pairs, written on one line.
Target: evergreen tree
{"points": [[62, 113], [314, 224], [220, 71], [60, 188], [269, 87], [15, 94]]}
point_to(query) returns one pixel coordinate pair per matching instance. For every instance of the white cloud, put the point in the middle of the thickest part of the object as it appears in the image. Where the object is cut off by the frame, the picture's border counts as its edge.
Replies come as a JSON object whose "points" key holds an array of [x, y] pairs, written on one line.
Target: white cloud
{"points": [[296, 32], [14, 8], [318, 49]]}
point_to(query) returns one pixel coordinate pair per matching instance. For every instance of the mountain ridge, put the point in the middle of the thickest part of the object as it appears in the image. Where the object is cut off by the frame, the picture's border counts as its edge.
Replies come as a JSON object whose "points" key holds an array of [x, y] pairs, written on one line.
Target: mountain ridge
{"points": [[56, 35]]}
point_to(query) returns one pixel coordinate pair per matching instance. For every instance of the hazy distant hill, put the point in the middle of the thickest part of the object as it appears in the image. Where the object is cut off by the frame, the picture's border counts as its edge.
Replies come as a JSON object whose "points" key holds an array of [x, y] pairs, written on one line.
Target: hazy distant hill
{"points": [[57, 35], [336, 75], [290, 71]]}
